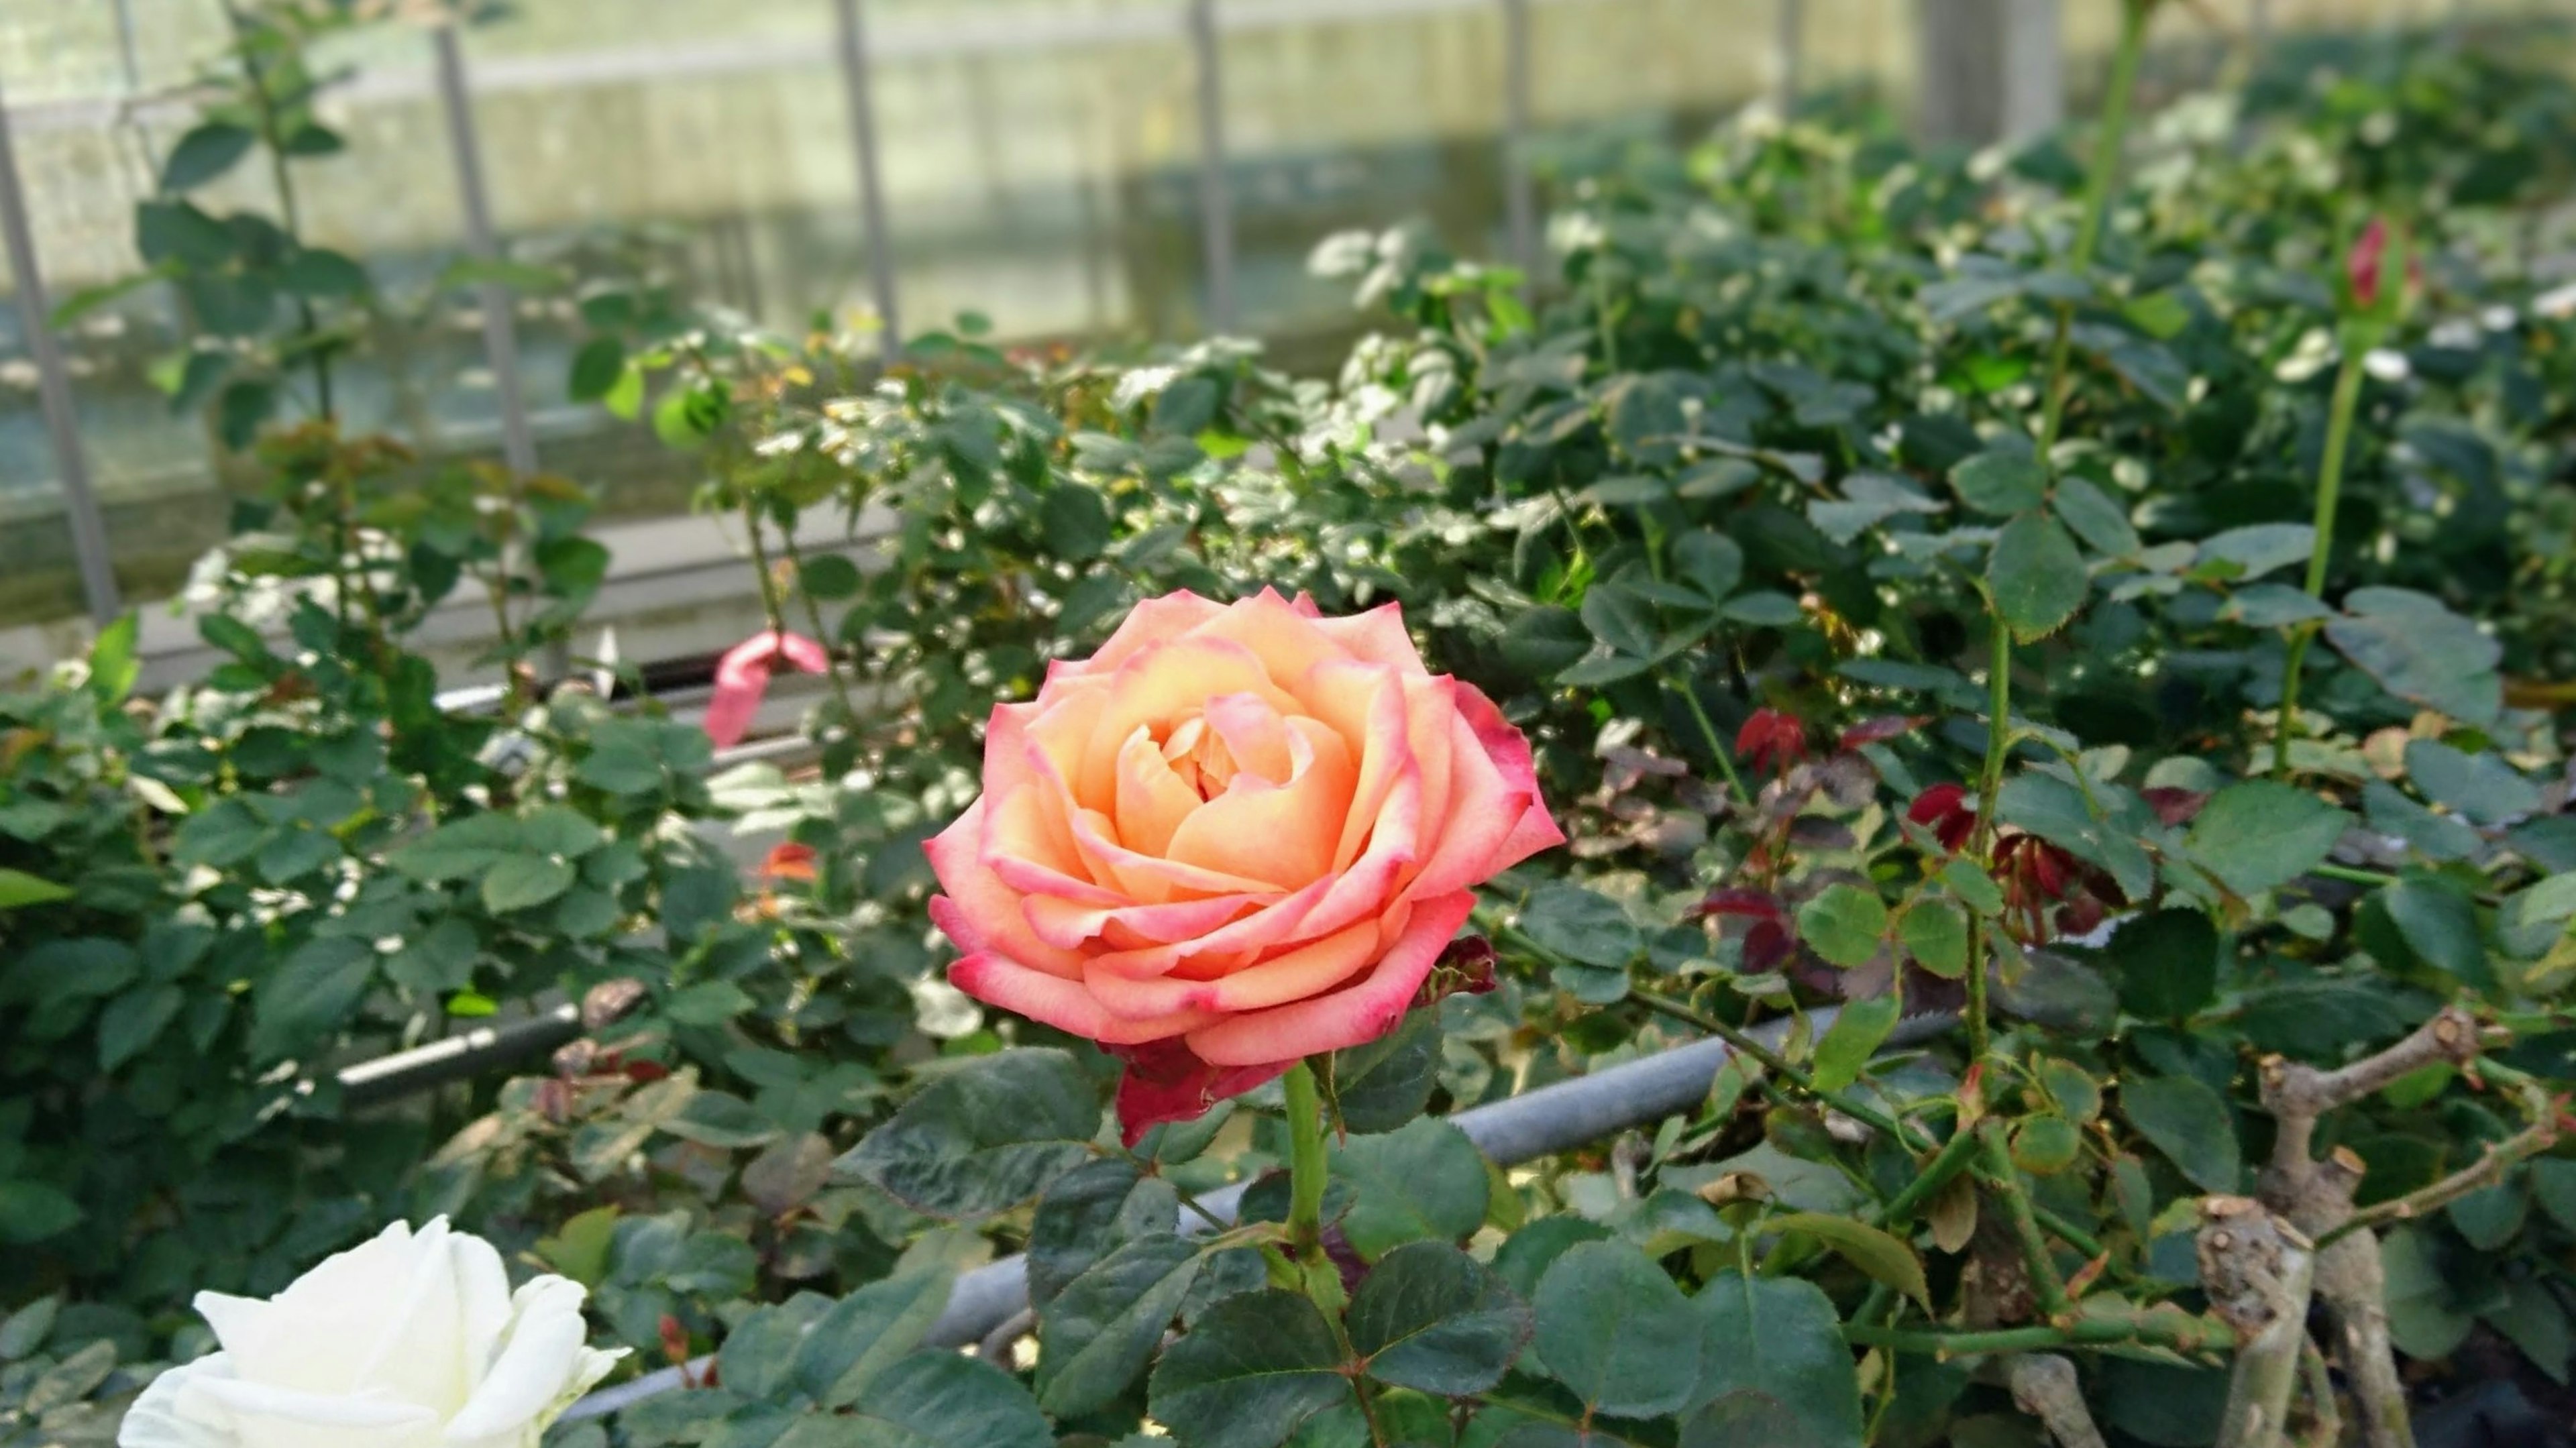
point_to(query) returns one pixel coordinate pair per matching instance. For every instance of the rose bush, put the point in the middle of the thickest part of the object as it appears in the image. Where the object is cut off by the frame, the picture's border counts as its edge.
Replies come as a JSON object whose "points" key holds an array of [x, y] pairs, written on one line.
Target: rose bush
{"points": [[411, 1340], [1236, 836]]}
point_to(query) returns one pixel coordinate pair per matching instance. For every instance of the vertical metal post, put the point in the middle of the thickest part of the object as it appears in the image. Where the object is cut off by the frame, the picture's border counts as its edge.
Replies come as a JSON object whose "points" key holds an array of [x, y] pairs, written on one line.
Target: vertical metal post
{"points": [[863, 140], [1520, 188], [500, 322], [1216, 199], [1789, 45], [500, 328], [54, 387]]}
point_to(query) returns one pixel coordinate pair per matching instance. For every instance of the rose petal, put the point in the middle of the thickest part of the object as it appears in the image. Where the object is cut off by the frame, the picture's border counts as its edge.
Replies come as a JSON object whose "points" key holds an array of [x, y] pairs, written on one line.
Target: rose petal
{"points": [[1154, 621], [1280, 833], [1151, 799], [1165, 1081], [1066, 1005], [1356, 1013], [981, 912], [1162, 686], [1292, 975], [1377, 637], [1062, 923]]}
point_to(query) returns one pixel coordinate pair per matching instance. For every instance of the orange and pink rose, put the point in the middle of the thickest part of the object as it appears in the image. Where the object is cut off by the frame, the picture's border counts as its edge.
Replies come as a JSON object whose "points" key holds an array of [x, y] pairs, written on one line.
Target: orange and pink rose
{"points": [[1238, 835]]}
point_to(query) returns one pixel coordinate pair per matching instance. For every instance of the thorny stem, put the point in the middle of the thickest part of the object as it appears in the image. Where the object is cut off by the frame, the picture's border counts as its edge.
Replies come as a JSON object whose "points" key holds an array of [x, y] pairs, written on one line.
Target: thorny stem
{"points": [[2179, 1331], [1779, 1065], [1306, 1164], [1990, 784], [1716, 742], [769, 604], [2046, 1285], [2347, 399], [814, 616], [1936, 1174], [2099, 179], [275, 144], [2493, 1162]]}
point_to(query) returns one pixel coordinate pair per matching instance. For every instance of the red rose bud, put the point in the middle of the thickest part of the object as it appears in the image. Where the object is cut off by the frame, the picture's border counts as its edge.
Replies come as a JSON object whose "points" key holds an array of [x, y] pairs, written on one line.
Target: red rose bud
{"points": [[2361, 266], [1772, 740], [1943, 809], [1465, 968]]}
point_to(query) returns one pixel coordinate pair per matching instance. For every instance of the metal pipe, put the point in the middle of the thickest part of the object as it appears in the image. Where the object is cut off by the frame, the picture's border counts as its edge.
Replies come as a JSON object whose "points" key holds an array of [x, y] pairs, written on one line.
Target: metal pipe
{"points": [[1551, 1119], [460, 1057], [1520, 187], [54, 390], [863, 140], [500, 327], [1789, 45], [1216, 198]]}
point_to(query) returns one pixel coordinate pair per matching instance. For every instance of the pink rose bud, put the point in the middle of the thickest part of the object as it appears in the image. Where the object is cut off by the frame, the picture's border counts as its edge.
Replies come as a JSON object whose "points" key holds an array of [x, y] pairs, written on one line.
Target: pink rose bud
{"points": [[2361, 268], [742, 680], [1239, 835]]}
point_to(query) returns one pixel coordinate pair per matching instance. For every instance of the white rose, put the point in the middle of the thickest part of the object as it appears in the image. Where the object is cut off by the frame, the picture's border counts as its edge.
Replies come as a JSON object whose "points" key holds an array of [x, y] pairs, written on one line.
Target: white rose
{"points": [[413, 1340]]}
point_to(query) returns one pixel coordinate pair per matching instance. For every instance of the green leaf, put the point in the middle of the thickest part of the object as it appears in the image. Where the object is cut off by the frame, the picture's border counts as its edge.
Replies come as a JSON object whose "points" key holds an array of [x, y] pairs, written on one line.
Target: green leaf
{"points": [[559, 830], [34, 1211], [869, 1331], [2188, 1123], [828, 577], [2421, 652], [457, 850], [722, 1119], [1774, 1355], [1088, 1213], [932, 1399], [2425, 1316], [1883, 1255], [24, 1331], [1424, 1181], [322, 274], [2165, 963], [1935, 933], [317, 988], [2483, 787], [2096, 519], [524, 880], [18, 889], [1384, 1084], [579, 1248], [1076, 521], [1252, 1369], [987, 1138], [2439, 922], [2243, 554], [2536, 1321], [133, 1021], [596, 368], [2046, 1145], [114, 662], [1620, 618], [1844, 924], [1099, 1332], [1582, 926], [1709, 562], [2001, 484], [1428, 1317], [2037, 577], [1854, 1037], [2261, 834], [1617, 1332], [204, 153]]}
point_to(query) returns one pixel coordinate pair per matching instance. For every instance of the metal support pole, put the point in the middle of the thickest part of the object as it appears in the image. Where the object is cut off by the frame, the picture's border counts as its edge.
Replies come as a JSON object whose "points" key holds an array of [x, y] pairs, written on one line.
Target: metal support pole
{"points": [[500, 327], [1216, 200], [500, 322], [1520, 187], [863, 140], [1788, 47], [54, 387]]}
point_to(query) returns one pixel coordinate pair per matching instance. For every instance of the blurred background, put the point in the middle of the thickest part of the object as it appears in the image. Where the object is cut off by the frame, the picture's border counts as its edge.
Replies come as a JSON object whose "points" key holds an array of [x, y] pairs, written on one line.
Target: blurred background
{"points": [[1110, 172]]}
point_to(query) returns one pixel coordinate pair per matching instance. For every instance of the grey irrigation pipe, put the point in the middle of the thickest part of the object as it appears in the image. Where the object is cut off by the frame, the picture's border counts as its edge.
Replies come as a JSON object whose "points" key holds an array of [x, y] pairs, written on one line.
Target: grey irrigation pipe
{"points": [[1554, 1118]]}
